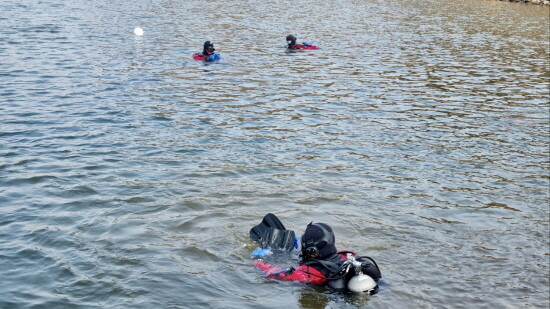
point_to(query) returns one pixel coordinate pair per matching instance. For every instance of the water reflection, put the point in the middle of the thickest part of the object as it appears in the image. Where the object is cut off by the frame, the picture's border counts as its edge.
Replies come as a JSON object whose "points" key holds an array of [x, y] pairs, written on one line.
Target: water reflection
{"points": [[131, 173], [313, 299]]}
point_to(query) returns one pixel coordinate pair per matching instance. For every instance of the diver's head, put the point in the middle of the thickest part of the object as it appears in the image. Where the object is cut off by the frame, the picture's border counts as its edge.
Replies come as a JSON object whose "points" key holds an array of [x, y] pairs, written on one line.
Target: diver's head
{"points": [[208, 48], [290, 39], [318, 242]]}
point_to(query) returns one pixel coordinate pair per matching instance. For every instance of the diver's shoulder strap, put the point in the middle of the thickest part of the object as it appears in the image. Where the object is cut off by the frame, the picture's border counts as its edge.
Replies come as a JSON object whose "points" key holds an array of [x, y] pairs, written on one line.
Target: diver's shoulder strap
{"points": [[330, 266]]}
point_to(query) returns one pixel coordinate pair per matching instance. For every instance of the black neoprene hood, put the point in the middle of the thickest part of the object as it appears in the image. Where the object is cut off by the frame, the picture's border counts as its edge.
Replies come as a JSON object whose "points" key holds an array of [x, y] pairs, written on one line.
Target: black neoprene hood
{"points": [[320, 236]]}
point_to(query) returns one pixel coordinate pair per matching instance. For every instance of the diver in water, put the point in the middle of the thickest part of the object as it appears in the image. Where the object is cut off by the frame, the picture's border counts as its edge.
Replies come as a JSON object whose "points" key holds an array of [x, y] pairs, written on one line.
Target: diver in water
{"points": [[320, 262], [291, 41], [291, 44], [208, 48], [207, 54]]}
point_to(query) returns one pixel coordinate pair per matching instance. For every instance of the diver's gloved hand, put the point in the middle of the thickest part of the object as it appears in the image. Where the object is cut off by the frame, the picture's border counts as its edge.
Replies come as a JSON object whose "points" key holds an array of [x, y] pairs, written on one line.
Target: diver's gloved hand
{"points": [[306, 44], [214, 57], [260, 253]]}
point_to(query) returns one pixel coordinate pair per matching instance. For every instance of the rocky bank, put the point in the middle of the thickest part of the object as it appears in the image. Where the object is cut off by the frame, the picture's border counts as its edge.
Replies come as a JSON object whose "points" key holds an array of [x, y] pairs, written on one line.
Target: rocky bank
{"points": [[542, 2]]}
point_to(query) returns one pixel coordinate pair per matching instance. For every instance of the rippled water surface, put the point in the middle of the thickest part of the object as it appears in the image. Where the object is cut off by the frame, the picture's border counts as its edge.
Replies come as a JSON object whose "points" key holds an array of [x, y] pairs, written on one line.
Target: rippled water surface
{"points": [[130, 174]]}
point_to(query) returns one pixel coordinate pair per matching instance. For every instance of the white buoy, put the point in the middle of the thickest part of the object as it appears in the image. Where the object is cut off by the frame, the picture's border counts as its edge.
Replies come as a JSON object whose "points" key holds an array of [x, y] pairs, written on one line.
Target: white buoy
{"points": [[138, 31]]}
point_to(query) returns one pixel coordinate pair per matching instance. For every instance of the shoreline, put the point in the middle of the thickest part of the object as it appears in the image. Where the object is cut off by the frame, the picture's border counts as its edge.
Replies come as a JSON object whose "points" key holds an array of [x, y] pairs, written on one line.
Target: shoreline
{"points": [[538, 2]]}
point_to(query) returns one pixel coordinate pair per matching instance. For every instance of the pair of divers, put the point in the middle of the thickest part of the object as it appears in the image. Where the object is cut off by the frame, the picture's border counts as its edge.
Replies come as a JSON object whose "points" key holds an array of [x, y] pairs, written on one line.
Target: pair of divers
{"points": [[208, 51], [320, 262]]}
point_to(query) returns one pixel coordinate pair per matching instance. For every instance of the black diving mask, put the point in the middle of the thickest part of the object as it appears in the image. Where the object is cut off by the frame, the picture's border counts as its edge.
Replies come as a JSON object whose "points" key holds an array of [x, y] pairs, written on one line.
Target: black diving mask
{"points": [[309, 251]]}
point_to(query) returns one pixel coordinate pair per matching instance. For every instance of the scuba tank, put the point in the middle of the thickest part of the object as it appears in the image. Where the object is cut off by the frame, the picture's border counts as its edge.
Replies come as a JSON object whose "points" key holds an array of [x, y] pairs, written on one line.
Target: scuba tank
{"points": [[360, 282], [344, 270], [356, 274]]}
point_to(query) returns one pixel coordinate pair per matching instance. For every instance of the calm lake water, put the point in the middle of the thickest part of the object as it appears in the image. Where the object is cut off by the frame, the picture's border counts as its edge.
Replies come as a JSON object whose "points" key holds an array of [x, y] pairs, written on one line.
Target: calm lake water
{"points": [[130, 174]]}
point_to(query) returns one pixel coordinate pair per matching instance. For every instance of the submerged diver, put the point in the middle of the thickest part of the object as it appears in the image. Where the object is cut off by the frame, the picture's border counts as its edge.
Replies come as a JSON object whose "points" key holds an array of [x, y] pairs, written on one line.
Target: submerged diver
{"points": [[207, 54], [291, 44], [320, 262]]}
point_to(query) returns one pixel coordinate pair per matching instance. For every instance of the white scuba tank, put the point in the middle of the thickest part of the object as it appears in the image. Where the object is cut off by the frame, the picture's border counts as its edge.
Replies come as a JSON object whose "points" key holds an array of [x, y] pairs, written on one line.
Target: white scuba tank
{"points": [[361, 283]]}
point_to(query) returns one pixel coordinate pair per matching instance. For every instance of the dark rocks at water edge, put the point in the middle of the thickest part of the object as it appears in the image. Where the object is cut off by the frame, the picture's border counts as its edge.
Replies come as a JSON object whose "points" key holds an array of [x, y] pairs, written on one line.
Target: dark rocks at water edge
{"points": [[543, 2]]}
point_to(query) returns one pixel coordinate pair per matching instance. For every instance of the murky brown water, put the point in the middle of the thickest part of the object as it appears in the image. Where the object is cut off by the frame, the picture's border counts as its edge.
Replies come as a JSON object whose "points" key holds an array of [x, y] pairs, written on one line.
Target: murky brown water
{"points": [[130, 174]]}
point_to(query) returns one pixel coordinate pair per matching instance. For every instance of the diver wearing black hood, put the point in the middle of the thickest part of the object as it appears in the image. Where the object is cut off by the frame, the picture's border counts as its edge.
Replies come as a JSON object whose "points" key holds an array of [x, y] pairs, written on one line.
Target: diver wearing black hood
{"points": [[207, 54], [291, 41], [208, 48], [292, 45], [321, 263]]}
